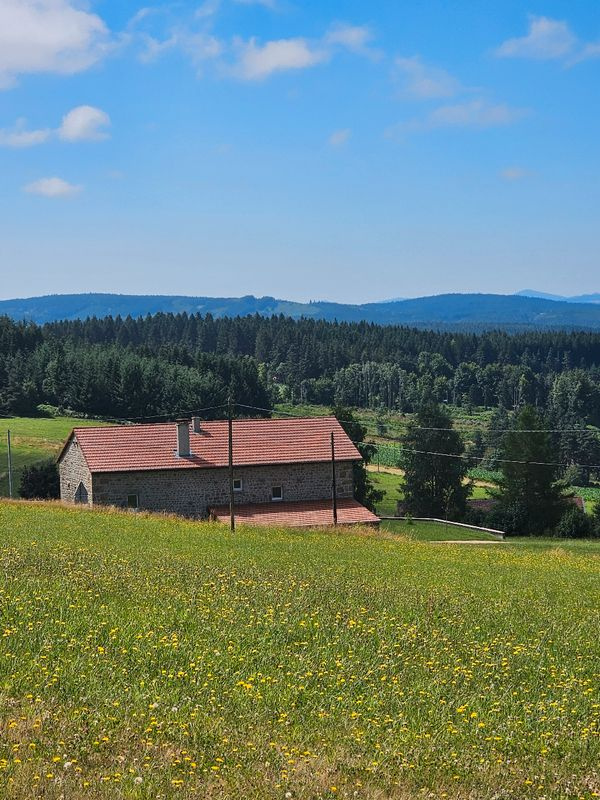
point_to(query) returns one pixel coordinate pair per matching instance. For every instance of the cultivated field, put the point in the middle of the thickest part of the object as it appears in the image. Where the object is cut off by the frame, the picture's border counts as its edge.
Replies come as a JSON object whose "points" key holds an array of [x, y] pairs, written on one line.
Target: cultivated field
{"points": [[147, 657]]}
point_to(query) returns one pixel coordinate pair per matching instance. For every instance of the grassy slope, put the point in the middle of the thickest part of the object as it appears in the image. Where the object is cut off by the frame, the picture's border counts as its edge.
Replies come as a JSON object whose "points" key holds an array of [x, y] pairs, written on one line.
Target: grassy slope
{"points": [[395, 422], [33, 439], [434, 532], [147, 657], [389, 484]]}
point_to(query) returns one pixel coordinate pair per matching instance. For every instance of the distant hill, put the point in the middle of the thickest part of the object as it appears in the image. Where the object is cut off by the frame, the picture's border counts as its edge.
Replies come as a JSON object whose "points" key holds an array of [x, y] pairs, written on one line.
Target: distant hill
{"points": [[455, 311], [579, 298]]}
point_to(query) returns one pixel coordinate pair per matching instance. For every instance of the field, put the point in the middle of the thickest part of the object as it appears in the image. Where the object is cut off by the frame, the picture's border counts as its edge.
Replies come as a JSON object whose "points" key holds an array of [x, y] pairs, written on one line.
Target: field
{"points": [[147, 657], [390, 483], [34, 439], [435, 531], [394, 422]]}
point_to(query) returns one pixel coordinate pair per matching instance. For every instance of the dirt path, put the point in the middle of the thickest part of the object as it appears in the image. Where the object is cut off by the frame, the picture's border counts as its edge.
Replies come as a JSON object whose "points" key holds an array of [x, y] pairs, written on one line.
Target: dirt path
{"points": [[398, 471], [391, 470]]}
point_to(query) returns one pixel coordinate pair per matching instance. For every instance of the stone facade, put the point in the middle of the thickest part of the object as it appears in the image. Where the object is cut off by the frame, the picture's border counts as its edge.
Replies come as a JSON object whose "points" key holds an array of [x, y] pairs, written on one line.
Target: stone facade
{"points": [[75, 477], [191, 492]]}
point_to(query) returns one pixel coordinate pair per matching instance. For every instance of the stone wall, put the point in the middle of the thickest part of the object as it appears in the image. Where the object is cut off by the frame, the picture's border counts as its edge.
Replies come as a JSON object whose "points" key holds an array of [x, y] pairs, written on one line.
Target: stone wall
{"points": [[192, 491], [75, 477]]}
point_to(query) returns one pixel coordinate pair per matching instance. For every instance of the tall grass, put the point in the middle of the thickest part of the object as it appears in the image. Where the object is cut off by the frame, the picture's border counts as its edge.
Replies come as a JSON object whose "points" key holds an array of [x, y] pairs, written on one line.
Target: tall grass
{"points": [[147, 657]]}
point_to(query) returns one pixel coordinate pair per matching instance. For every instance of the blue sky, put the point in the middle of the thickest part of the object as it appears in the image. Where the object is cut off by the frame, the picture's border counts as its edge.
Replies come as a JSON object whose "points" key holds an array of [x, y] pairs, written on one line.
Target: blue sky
{"points": [[309, 150]]}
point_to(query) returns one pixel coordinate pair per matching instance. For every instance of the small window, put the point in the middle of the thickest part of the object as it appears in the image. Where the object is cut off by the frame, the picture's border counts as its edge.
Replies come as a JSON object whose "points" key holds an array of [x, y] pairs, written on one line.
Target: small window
{"points": [[132, 501], [237, 485], [277, 493]]}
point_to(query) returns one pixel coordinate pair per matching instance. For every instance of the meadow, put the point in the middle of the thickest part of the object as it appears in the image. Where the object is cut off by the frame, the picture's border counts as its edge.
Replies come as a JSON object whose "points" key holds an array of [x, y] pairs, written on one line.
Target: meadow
{"points": [[34, 439], [147, 656]]}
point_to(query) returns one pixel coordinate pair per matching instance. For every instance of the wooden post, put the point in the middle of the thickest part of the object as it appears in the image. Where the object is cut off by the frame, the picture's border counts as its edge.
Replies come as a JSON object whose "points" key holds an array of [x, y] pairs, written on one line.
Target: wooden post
{"points": [[333, 481], [10, 472], [231, 495]]}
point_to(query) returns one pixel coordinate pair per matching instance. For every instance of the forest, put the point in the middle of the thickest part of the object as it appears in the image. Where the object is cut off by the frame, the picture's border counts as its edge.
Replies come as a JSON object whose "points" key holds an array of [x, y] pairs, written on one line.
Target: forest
{"points": [[168, 362]]}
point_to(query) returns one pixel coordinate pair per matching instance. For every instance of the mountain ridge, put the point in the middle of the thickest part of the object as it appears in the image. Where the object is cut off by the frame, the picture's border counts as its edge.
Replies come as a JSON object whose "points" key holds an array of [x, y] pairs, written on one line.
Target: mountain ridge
{"points": [[452, 310], [578, 298]]}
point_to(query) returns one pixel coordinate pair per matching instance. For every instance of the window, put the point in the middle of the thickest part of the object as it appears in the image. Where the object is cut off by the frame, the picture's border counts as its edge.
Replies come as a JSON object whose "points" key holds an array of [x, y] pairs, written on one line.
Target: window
{"points": [[132, 501], [277, 493], [237, 485]]}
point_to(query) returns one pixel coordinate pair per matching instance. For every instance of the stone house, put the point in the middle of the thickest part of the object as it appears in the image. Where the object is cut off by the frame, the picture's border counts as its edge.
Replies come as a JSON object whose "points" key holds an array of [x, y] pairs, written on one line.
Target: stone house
{"points": [[282, 470]]}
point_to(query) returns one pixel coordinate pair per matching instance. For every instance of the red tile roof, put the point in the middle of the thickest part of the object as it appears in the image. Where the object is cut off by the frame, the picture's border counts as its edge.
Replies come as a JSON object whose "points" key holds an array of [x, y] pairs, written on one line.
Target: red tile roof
{"points": [[128, 448], [317, 513]]}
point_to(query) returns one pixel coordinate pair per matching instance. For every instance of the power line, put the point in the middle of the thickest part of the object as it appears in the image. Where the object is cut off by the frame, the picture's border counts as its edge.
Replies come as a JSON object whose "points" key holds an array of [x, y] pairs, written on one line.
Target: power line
{"points": [[394, 442], [166, 417], [427, 428], [463, 456], [468, 457]]}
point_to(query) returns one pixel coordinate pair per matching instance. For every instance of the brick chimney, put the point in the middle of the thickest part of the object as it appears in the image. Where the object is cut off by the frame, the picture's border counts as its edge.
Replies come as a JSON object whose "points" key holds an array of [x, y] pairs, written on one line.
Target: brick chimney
{"points": [[196, 425], [183, 438]]}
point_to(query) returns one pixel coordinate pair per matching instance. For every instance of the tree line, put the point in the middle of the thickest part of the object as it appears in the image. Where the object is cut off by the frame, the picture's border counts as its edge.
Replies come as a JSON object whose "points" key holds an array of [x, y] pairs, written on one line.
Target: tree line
{"points": [[165, 362]]}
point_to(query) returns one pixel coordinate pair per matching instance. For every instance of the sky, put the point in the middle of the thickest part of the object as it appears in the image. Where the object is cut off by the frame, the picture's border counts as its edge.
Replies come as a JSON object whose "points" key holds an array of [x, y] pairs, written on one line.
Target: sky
{"points": [[303, 149]]}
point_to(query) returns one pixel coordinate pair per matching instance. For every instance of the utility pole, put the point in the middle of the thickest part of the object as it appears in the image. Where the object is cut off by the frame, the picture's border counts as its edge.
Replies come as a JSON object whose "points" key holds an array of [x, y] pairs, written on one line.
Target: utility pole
{"points": [[231, 502], [10, 473], [333, 480]]}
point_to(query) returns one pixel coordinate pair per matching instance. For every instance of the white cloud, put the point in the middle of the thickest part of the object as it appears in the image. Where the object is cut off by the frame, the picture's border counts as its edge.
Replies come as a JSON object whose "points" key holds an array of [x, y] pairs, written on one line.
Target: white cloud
{"points": [[257, 62], [478, 113], [547, 39], [474, 113], [52, 187], [199, 47], [588, 51], [154, 48], [247, 59], [84, 123], [339, 138], [352, 37], [19, 136], [208, 9], [141, 14], [48, 36], [514, 173], [424, 81]]}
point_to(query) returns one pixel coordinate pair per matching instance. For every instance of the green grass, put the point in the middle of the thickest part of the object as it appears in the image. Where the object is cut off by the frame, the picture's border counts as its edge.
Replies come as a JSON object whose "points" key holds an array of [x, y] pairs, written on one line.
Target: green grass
{"points": [[395, 422], [34, 439], [390, 485], [434, 531], [480, 492], [147, 657]]}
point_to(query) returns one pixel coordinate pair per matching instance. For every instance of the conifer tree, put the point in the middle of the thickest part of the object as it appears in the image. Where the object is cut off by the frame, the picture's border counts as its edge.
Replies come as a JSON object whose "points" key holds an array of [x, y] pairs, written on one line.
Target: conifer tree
{"points": [[434, 468], [529, 498]]}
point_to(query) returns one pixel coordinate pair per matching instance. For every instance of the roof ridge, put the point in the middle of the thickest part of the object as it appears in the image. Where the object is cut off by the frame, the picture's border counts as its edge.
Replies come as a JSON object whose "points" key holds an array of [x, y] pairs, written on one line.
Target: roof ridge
{"points": [[265, 441]]}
